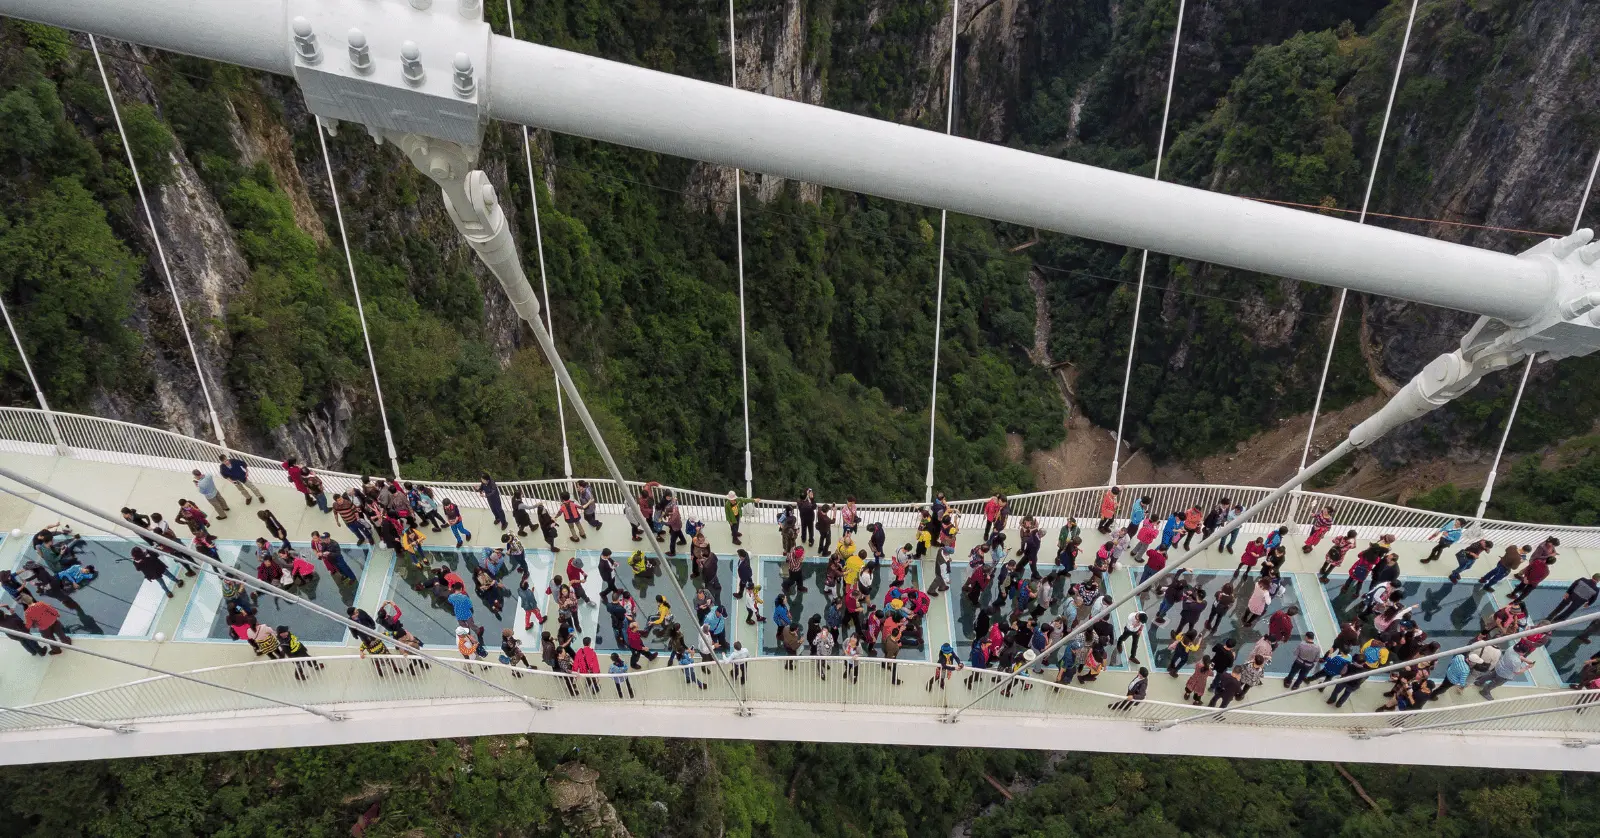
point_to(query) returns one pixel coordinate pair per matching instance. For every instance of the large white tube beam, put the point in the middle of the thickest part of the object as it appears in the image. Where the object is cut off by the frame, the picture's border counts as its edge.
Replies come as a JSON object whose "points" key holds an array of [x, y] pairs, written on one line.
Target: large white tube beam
{"points": [[632, 106], [250, 33], [605, 100]]}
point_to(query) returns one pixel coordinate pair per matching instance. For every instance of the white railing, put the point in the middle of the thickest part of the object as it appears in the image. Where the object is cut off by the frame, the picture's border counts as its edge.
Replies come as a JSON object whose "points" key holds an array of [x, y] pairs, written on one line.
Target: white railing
{"points": [[349, 681], [25, 430]]}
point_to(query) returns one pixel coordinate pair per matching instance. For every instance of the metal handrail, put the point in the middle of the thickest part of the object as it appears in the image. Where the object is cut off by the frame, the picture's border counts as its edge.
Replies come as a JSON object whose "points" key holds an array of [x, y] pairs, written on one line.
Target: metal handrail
{"points": [[769, 682], [112, 440]]}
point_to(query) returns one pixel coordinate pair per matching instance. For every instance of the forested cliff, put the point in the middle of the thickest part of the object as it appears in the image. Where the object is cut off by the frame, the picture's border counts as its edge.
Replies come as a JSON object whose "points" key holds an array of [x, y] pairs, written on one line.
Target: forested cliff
{"points": [[1492, 126]]}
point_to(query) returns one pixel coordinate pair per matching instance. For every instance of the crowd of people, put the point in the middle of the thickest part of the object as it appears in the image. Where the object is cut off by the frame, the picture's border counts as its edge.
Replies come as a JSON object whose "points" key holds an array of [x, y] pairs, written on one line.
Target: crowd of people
{"points": [[1221, 642]]}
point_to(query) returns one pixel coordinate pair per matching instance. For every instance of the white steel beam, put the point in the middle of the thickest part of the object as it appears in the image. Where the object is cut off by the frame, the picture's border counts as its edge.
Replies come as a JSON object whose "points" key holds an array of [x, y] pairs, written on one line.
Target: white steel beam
{"points": [[606, 100]]}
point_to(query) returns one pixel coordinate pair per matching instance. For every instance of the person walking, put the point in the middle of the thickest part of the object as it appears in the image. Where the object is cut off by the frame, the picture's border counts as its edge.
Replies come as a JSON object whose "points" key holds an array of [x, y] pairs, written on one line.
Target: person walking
{"points": [[1132, 629], [1581, 594], [619, 675], [1341, 693], [572, 514], [733, 509], [297, 479], [43, 616], [155, 570], [9, 619], [1510, 667], [1136, 692], [349, 511], [1447, 534], [458, 527], [237, 472], [1467, 556], [1509, 561], [491, 493], [1226, 686], [588, 504], [207, 486], [1108, 508], [1306, 656], [1528, 579], [461, 609], [807, 509]]}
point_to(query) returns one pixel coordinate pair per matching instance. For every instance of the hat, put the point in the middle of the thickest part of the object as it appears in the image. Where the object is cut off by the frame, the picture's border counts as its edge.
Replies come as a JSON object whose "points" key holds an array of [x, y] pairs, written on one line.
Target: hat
{"points": [[577, 562], [732, 495], [462, 631], [1030, 655], [898, 603], [487, 552], [1372, 656]]}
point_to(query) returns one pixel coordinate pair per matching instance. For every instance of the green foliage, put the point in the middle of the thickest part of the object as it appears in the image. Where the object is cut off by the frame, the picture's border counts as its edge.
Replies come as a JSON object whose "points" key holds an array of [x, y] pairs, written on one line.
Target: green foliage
{"points": [[1147, 797], [151, 141], [68, 279], [53, 45]]}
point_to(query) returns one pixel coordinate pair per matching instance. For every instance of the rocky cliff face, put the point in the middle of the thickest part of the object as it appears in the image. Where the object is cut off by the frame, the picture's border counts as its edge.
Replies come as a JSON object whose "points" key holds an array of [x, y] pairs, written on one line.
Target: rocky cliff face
{"points": [[1520, 158], [207, 272]]}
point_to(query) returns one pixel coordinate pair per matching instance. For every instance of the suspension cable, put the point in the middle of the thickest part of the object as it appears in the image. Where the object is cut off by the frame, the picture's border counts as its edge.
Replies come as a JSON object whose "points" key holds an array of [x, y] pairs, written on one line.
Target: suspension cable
{"points": [[249, 581], [1144, 258], [1366, 200], [738, 221], [944, 218], [544, 281], [161, 251], [49, 415], [332, 717], [349, 261], [69, 720], [1581, 700], [1494, 468], [520, 292]]}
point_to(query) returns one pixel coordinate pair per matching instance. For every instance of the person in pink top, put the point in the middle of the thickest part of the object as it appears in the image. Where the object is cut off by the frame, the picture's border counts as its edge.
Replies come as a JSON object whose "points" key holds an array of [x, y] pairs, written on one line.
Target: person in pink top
{"points": [[1537, 571], [1108, 508], [297, 478], [1142, 540], [1247, 560], [991, 511], [1260, 598]]}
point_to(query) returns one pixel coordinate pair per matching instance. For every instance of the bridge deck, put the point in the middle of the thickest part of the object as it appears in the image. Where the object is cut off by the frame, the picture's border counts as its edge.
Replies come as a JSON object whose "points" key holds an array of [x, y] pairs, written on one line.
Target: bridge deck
{"points": [[121, 615]]}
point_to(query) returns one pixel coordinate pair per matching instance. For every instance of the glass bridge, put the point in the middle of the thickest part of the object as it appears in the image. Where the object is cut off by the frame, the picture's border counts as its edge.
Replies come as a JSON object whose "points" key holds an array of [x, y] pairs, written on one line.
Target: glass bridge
{"points": [[218, 695]]}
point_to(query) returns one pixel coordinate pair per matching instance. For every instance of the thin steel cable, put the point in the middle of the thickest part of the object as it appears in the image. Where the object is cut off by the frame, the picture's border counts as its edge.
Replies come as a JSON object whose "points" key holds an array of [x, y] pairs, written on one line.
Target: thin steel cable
{"points": [[1494, 468], [248, 580], [944, 218], [68, 719], [1393, 667], [1366, 201], [544, 281], [72, 647], [738, 220], [1580, 701], [1160, 576], [161, 251], [1144, 258], [49, 415], [361, 312]]}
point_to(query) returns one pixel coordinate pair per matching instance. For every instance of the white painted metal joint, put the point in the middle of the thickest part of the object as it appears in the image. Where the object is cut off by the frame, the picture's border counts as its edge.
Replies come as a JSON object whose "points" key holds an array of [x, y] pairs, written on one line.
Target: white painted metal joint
{"points": [[411, 69]]}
